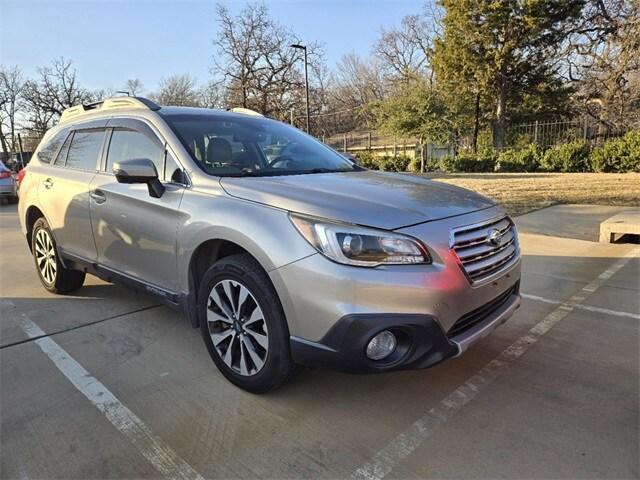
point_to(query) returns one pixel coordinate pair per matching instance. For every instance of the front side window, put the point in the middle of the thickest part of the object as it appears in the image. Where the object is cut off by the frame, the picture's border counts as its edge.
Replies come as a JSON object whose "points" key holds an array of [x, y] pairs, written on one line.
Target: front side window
{"points": [[85, 149], [234, 146], [129, 144], [48, 151]]}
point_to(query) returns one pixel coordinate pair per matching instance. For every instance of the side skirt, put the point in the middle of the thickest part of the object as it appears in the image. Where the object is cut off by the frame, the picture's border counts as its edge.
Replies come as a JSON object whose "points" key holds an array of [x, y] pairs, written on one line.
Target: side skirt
{"points": [[172, 299]]}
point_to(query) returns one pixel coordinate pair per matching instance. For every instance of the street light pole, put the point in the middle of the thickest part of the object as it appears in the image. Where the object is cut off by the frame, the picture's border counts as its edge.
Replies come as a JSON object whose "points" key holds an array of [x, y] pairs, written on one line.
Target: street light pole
{"points": [[306, 79]]}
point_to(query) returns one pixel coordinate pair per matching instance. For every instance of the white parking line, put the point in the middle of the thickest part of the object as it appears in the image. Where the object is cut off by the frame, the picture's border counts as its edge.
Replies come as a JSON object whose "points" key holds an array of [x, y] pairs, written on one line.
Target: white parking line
{"points": [[158, 453], [588, 308], [404, 444]]}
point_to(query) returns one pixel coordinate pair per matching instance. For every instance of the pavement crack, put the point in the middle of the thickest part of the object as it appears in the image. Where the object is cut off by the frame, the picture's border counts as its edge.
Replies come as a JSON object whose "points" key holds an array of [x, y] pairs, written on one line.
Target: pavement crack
{"points": [[76, 327]]}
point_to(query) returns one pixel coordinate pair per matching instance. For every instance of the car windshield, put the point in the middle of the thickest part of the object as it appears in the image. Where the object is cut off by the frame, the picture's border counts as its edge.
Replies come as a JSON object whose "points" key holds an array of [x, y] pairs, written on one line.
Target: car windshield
{"points": [[231, 145]]}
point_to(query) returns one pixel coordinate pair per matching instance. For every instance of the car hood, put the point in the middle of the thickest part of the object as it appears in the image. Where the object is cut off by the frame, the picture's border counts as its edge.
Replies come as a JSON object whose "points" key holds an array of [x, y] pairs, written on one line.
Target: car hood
{"points": [[376, 199]]}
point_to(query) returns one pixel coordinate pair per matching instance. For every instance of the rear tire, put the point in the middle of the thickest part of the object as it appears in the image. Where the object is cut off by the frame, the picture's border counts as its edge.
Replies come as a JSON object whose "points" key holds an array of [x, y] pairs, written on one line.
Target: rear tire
{"points": [[52, 273], [243, 324]]}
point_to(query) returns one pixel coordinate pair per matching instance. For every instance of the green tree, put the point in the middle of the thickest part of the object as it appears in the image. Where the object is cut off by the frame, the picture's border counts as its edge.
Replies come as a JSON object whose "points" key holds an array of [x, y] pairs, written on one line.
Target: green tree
{"points": [[497, 52], [418, 110]]}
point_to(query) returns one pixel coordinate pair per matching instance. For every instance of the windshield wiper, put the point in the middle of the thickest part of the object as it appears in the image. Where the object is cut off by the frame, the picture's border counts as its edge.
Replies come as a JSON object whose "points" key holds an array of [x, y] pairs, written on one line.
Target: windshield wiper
{"points": [[326, 170]]}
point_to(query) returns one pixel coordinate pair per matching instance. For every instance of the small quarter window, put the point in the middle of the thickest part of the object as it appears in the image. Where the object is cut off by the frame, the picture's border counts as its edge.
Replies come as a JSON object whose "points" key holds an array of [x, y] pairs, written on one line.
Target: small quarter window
{"points": [[172, 171], [61, 158], [48, 151]]}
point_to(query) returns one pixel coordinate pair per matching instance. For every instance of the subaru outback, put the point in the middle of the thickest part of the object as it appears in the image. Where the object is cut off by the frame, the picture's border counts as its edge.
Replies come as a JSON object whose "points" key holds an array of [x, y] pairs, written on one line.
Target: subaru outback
{"points": [[279, 249]]}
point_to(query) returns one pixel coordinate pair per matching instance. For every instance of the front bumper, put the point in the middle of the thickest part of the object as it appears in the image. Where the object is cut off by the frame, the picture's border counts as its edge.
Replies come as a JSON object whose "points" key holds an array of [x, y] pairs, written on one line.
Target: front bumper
{"points": [[421, 341], [333, 310]]}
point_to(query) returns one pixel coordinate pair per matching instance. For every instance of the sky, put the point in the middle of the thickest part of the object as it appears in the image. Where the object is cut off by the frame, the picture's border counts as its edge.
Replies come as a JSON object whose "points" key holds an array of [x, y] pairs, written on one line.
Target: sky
{"points": [[110, 41]]}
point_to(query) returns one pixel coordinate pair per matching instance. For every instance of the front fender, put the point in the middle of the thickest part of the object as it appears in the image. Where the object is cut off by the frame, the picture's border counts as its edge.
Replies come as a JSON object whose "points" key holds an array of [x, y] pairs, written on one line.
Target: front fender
{"points": [[265, 232]]}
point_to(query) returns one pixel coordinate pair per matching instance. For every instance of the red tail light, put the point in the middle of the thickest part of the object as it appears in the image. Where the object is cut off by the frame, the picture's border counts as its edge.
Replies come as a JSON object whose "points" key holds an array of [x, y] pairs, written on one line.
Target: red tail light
{"points": [[5, 174], [21, 175]]}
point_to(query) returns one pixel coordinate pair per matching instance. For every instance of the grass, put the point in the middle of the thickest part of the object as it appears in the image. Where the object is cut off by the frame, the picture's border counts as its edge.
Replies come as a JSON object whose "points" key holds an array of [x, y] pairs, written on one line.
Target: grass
{"points": [[520, 193]]}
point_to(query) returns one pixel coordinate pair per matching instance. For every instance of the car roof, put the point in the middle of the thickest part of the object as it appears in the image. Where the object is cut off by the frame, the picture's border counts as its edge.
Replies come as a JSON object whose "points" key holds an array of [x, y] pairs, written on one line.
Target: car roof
{"points": [[129, 105]]}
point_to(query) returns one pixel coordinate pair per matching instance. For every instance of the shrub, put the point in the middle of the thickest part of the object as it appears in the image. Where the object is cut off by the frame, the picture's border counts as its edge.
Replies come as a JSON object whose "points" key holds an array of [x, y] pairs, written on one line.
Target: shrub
{"points": [[526, 159], [468, 162], [568, 157], [367, 160], [395, 164], [387, 163], [618, 155]]}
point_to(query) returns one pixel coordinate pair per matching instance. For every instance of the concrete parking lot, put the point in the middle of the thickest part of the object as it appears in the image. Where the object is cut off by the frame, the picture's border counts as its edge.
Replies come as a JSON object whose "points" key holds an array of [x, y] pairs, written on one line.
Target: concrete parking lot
{"points": [[553, 393]]}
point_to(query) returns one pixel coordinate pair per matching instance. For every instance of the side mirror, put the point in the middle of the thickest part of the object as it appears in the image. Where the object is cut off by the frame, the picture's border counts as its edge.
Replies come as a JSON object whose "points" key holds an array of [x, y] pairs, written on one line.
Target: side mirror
{"points": [[139, 170]]}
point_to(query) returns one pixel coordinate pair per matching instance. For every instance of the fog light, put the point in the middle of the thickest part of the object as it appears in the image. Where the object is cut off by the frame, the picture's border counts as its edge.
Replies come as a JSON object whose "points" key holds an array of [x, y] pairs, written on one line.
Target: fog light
{"points": [[382, 345]]}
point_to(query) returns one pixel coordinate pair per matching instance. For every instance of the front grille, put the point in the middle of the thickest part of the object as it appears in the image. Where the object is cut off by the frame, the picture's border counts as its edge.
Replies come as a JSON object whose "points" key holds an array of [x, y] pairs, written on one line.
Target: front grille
{"points": [[478, 315], [479, 255]]}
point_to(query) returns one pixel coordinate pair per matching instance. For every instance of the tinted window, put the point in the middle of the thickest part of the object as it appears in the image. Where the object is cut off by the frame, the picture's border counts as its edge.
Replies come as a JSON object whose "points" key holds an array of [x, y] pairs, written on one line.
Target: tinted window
{"points": [[61, 158], [130, 144], [85, 149], [48, 150], [235, 145]]}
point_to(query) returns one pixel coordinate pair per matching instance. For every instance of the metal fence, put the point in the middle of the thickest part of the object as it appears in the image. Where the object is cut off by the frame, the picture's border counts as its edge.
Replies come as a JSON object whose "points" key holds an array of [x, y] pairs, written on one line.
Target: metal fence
{"points": [[548, 133], [542, 133]]}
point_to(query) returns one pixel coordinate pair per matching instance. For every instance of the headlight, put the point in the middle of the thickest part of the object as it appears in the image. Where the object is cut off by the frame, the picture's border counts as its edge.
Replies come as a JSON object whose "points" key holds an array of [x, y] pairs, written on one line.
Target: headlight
{"points": [[354, 245]]}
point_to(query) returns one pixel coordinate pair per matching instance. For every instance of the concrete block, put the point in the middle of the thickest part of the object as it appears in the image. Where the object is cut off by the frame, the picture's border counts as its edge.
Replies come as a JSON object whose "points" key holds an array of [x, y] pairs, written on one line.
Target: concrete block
{"points": [[623, 223]]}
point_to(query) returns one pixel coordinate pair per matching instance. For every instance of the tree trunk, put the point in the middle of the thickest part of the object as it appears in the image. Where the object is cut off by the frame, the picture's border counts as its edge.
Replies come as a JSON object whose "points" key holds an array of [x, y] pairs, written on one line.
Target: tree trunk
{"points": [[499, 127], [476, 125], [3, 141]]}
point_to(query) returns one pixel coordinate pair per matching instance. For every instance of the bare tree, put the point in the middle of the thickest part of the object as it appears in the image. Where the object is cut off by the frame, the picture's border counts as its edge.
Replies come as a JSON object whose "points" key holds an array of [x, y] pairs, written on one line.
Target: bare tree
{"points": [[404, 51], [11, 88], [55, 90], [604, 59], [212, 95], [257, 65], [134, 87], [178, 90]]}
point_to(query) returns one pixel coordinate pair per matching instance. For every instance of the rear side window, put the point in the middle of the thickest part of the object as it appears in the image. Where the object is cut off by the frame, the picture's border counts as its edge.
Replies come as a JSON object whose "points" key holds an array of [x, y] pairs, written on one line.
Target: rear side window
{"points": [[129, 144], [85, 149], [62, 154], [47, 153]]}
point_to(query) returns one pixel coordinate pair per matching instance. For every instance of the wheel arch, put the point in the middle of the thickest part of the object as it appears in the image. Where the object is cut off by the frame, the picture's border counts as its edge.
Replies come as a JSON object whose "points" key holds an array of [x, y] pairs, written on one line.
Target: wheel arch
{"points": [[204, 255], [31, 216]]}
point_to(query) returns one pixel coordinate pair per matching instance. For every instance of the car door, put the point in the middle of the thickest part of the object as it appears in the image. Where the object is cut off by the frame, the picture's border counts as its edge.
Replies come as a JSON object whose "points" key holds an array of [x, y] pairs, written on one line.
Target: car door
{"points": [[64, 189], [135, 233]]}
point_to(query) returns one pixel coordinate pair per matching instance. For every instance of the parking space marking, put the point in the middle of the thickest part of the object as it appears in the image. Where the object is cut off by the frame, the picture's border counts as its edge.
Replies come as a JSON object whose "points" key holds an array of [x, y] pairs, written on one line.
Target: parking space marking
{"points": [[408, 441], [588, 308], [158, 453]]}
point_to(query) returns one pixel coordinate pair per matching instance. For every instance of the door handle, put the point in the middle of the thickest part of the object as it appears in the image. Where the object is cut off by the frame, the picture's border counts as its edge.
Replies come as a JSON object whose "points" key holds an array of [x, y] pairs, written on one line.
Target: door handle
{"points": [[98, 196], [48, 183]]}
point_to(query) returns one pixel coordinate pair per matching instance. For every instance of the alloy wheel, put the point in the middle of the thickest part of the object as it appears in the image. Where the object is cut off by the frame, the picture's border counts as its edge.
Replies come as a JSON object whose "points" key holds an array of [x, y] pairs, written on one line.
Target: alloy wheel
{"points": [[237, 327], [46, 256]]}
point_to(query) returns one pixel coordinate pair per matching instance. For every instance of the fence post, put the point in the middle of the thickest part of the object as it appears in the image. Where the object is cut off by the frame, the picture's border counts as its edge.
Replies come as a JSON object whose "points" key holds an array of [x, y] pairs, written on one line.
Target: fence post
{"points": [[369, 141], [395, 147], [344, 143], [535, 133], [585, 127]]}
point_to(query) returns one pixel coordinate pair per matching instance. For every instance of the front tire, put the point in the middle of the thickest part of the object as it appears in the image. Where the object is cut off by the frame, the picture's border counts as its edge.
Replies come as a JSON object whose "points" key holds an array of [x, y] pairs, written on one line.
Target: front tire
{"points": [[243, 324], [52, 273]]}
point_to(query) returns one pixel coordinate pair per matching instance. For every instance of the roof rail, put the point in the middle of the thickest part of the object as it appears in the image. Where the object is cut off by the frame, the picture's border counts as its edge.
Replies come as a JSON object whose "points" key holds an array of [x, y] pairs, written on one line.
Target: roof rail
{"points": [[246, 111], [109, 104]]}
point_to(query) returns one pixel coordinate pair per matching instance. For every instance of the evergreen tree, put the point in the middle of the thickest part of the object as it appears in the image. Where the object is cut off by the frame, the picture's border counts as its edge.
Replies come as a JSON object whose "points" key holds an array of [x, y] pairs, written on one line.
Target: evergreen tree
{"points": [[499, 52]]}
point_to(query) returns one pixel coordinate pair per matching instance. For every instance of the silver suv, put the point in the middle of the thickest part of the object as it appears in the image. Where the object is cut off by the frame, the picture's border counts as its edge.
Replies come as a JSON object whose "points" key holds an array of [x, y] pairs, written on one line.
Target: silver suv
{"points": [[278, 248]]}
